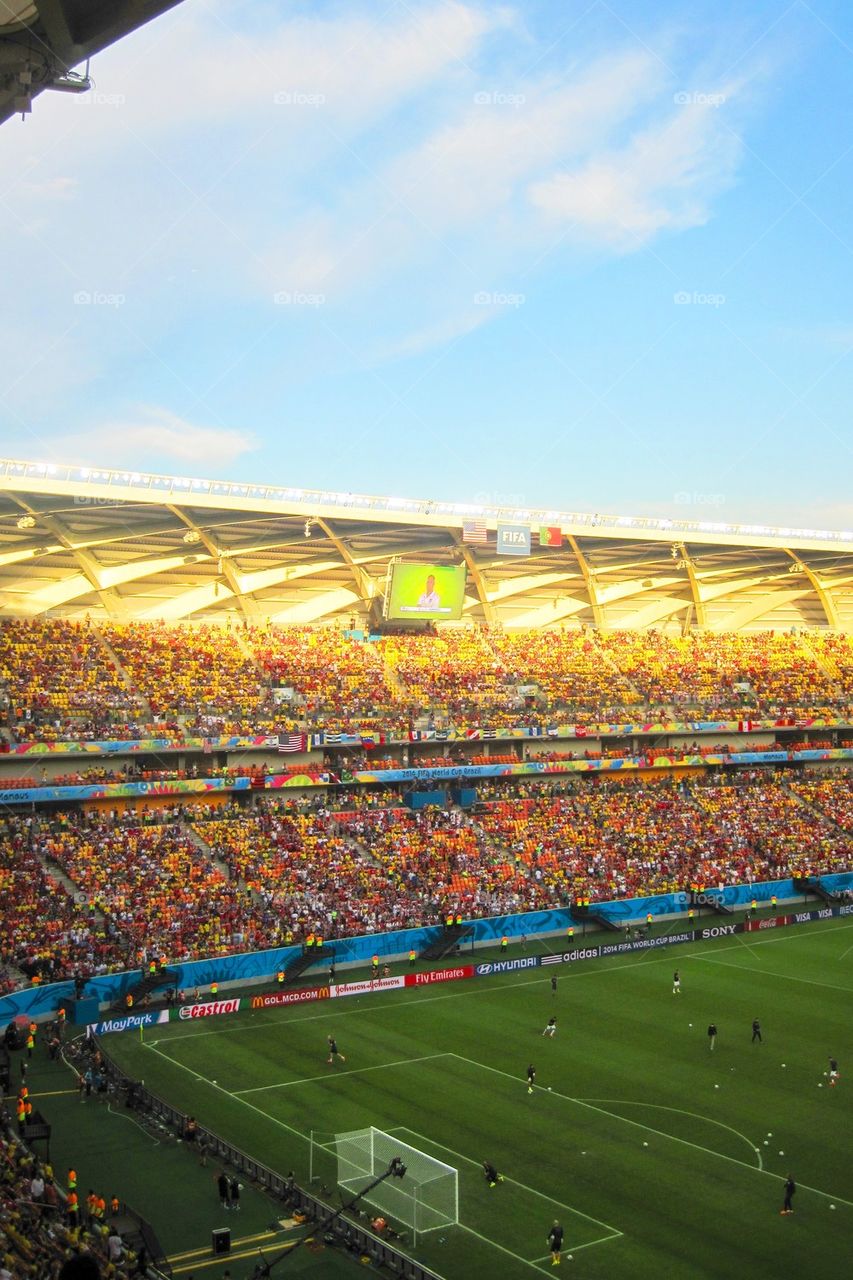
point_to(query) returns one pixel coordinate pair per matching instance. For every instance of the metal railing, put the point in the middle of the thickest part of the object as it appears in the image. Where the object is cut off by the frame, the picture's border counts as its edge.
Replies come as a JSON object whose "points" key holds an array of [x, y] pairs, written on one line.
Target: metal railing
{"points": [[177, 487], [347, 1232]]}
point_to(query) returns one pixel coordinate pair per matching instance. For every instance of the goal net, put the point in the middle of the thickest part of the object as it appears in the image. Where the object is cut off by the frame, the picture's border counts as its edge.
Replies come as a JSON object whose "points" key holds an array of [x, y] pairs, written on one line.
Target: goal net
{"points": [[426, 1198]]}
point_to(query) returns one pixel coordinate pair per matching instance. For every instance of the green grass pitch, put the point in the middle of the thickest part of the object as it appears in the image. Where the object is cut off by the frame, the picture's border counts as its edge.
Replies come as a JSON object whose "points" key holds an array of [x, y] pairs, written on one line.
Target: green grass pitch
{"points": [[658, 1156]]}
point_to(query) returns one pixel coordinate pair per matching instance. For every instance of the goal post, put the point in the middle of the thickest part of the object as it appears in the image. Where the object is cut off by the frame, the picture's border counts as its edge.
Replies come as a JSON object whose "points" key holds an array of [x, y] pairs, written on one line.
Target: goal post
{"points": [[426, 1198]]}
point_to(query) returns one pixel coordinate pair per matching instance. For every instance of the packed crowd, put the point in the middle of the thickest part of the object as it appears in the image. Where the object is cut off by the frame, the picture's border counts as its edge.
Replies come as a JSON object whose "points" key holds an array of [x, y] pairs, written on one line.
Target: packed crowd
{"points": [[767, 828], [341, 683], [199, 676], [71, 680], [41, 1228], [305, 877], [97, 893], [829, 795], [59, 681], [46, 932], [148, 888], [768, 671]]}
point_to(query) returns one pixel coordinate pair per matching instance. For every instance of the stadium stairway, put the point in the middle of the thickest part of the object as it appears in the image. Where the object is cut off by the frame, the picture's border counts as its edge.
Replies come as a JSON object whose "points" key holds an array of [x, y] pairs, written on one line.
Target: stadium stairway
{"points": [[711, 901], [111, 654], [203, 847], [585, 915], [392, 680], [309, 956], [608, 660], [812, 884], [447, 943], [162, 978]]}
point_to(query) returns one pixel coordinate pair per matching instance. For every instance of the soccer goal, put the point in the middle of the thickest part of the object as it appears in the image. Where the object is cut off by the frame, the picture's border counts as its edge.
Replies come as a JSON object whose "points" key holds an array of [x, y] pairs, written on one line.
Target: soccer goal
{"points": [[426, 1198]]}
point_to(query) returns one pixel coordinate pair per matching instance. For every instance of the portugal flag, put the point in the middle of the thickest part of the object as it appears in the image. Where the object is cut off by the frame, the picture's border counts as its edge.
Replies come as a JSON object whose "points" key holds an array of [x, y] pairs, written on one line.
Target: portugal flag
{"points": [[550, 536]]}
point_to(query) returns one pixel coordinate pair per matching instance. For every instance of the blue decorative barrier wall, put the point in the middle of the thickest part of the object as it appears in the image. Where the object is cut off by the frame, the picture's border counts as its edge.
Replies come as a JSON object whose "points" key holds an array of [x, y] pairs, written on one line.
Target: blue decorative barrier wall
{"points": [[255, 965]]}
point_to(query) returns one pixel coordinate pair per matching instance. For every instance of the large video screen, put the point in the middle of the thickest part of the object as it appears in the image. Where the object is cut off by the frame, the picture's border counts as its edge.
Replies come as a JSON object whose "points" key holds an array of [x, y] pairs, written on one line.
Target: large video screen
{"points": [[434, 592]]}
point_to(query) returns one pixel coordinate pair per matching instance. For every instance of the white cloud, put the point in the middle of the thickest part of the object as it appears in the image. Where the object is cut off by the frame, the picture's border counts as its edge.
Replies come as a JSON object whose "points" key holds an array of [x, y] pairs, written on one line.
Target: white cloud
{"points": [[145, 442], [663, 179], [430, 164], [434, 335], [474, 165]]}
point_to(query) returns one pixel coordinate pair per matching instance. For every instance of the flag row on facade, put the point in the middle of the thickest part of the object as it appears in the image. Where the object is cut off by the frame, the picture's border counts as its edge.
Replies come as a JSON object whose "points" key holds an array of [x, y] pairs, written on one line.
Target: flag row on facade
{"points": [[511, 539], [293, 742]]}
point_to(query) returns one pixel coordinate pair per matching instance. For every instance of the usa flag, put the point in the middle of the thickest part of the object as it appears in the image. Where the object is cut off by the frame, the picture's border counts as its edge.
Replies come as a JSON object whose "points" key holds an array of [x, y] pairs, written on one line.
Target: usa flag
{"points": [[475, 531], [291, 742]]}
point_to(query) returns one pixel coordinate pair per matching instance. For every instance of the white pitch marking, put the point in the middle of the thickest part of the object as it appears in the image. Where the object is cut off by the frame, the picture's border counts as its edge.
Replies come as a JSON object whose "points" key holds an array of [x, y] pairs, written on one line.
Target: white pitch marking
{"points": [[495, 1245], [532, 1190], [768, 973], [636, 1123], [336, 1075], [641, 958]]}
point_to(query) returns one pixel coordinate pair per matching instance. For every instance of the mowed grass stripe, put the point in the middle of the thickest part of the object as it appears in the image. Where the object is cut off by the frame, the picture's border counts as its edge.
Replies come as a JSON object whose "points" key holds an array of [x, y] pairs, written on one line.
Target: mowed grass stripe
{"points": [[769, 973], [390, 1001], [684, 1211], [349, 1071], [581, 1102], [422, 1141]]}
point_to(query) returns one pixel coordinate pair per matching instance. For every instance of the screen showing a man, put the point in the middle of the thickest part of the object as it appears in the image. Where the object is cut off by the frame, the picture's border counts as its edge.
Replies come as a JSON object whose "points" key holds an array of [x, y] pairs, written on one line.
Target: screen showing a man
{"points": [[426, 591], [429, 598]]}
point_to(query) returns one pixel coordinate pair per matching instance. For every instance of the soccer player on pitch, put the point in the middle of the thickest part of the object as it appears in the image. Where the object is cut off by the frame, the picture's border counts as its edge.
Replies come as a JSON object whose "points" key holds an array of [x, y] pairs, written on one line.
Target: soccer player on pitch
{"points": [[551, 1028], [790, 1188], [492, 1175], [531, 1077], [555, 1243], [333, 1050]]}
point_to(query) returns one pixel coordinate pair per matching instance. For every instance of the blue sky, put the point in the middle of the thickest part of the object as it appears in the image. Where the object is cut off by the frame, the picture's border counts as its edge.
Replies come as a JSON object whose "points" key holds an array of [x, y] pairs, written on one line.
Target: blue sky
{"points": [[589, 255]]}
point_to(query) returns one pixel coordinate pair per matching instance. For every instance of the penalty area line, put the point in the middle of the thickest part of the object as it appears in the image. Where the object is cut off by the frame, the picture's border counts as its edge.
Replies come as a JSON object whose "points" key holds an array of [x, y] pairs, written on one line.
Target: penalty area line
{"points": [[494, 1244], [306, 1137], [576, 1248], [336, 1075], [513, 1181]]}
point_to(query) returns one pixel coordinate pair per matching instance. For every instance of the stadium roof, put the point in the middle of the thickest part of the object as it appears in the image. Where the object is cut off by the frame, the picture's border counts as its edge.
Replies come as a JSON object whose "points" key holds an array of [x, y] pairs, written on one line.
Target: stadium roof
{"points": [[42, 40], [126, 545]]}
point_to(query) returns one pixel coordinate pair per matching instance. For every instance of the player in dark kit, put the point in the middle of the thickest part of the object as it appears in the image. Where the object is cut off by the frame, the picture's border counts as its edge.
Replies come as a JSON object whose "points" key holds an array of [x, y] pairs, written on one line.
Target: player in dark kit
{"points": [[555, 1243], [712, 1034], [492, 1175], [333, 1050], [756, 1031], [790, 1188], [833, 1072], [531, 1077], [553, 984]]}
